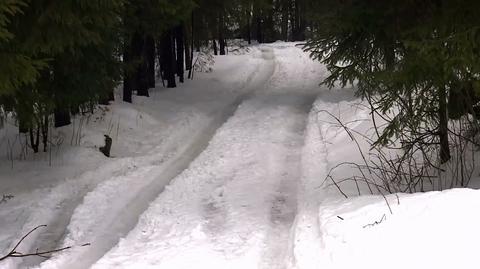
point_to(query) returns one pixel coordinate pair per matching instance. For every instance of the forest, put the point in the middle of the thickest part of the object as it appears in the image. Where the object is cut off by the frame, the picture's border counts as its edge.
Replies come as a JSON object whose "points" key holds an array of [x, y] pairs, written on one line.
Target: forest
{"points": [[61, 58], [236, 117]]}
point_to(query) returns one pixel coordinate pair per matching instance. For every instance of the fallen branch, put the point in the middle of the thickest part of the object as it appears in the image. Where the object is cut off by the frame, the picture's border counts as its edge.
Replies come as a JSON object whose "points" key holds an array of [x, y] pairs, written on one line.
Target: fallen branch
{"points": [[15, 254]]}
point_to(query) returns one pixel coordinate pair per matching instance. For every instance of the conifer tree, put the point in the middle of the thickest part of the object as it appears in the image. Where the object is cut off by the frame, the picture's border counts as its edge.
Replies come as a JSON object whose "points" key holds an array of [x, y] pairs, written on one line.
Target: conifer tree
{"points": [[17, 68], [75, 42], [410, 55]]}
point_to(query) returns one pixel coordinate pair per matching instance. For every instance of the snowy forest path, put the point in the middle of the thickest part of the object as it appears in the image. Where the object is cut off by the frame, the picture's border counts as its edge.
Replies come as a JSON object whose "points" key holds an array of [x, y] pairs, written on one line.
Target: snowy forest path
{"points": [[129, 193], [234, 207]]}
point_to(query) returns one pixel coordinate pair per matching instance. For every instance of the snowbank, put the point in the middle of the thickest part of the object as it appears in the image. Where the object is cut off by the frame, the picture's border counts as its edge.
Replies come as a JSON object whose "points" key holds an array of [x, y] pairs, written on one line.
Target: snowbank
{"points": [[430, 230]]}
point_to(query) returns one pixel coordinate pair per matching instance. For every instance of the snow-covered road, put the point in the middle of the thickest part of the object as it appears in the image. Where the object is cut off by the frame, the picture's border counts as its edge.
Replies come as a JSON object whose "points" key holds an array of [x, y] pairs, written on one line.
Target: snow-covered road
{"points": [[104, 216], [235, 205], [226, 171], [212, 184]]}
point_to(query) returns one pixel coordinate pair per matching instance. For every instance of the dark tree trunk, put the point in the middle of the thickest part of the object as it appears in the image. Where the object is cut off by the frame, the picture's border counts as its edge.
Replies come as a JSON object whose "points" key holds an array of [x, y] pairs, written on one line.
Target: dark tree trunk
{"points": [[257, 23], [150, 53], [161, 64], [259, 30], [179, 40], [268, 27], [168, 58], [61, 117], [190, 71], [197, 22], [249, 25], [221, 34], [111, 95], [45, 133], [299, 19], [443, 126], [285, 18], [215, 48], [22, 126], [34, 139], [141, 66], [127, 74], [187, 41], [389, 52], [293, 20]]}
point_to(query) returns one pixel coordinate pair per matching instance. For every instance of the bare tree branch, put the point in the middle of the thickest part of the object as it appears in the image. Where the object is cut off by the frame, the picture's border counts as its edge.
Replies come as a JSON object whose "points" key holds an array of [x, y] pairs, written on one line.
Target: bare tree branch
{"points": [[15, 254]]}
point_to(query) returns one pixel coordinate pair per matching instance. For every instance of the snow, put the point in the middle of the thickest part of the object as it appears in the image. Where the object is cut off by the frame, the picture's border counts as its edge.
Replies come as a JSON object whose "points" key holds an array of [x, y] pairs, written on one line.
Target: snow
{"points": [[225, 171], [170, 127], [430, 230], [248, 173]]}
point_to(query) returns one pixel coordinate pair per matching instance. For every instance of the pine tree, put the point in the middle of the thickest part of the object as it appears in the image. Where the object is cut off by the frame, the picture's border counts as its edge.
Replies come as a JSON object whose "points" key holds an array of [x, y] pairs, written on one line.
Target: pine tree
{"points": [[411, 55], [17, 68], [77, 70]]}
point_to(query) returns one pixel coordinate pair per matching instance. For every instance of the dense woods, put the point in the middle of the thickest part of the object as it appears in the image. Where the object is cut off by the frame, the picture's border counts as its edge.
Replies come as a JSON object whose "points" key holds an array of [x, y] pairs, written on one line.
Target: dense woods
{"points": [[243, 166], [61, 58], [416, 62]]}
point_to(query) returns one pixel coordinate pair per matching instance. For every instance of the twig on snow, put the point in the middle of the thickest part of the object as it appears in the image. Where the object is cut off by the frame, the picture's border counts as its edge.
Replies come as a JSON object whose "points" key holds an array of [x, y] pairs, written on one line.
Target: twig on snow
{"points": [[384, 217], [15, 254]]}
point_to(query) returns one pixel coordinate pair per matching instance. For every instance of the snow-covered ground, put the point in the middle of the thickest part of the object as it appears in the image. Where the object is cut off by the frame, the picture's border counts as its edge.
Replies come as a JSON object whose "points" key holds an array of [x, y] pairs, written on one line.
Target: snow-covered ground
{"points": [[226, 171]]}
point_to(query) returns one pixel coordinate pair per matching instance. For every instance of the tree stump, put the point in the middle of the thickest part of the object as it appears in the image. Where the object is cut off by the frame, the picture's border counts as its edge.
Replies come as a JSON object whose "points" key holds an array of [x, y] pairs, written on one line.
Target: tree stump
{"points": [[108, 145]]}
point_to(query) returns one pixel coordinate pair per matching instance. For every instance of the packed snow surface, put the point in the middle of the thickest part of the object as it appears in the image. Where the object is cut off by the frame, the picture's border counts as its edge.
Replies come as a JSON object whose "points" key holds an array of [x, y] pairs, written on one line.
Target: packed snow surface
{"points": [[236, 203], [225, 171]]}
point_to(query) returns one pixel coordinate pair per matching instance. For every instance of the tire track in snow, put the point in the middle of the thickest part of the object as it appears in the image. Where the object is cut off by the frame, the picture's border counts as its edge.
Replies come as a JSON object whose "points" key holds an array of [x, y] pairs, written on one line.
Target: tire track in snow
{"points": [[112, 223], [283, 210], [127, 202], [278, 245]]}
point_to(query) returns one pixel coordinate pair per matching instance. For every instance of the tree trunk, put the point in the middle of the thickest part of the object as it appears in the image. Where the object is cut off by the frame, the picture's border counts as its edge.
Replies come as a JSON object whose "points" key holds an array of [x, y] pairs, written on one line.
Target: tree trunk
{"points": [[443, 126], [61, 117], [190, 71], [285, 9], [215, 48], [221, 33], [249, 24], [187, 40], [127, 74], [179, 40], [302, 21], [259, 30], [257, 20], [34, 139], [45, 133], [168, 58], [268, 25], [22, 126], [389, 51], [150, 54], [141, 65]]}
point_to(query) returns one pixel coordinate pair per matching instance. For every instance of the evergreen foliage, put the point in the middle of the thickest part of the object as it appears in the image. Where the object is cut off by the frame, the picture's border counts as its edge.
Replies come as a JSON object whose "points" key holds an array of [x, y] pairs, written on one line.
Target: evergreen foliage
{"points": [[418, 59], [64, 57]]}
